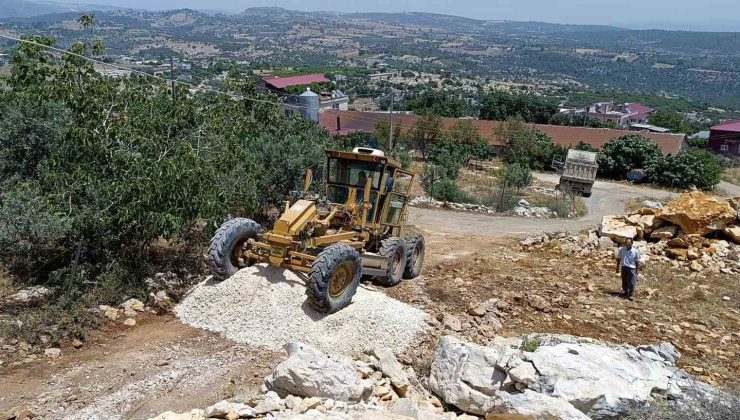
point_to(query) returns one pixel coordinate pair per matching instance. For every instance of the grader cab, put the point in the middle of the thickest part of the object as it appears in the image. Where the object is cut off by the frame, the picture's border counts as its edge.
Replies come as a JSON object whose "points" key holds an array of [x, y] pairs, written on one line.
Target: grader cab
{"points": [[353, 228]]}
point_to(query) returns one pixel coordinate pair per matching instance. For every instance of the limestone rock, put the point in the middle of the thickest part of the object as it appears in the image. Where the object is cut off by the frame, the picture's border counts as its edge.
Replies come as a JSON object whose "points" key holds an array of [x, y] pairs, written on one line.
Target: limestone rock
{"points": [[310, 373], [665, 352], [466, 375], [533, 405], [617, 228], [129, 322], [562, 374], [392, 369], [271, 401], [169, 415], [735, 204], [133, 304], [606, 242], [52, 353], [733, 232], [223, 408], [109, 312], [600, 380], [665, 232], [451, 322], [698, 213], [652, 204], [30, 296], [686, 241]]}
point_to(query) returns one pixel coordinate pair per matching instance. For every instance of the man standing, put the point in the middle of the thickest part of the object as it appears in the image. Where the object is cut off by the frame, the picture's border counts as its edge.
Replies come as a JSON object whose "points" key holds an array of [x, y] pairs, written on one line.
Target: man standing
{"points": [[628, 259]]}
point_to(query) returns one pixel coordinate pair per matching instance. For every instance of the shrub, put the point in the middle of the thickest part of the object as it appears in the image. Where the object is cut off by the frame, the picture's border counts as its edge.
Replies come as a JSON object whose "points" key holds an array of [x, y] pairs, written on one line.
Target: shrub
{"points": [[448, 190], [622, 154], [690, 167], [530, 344]]}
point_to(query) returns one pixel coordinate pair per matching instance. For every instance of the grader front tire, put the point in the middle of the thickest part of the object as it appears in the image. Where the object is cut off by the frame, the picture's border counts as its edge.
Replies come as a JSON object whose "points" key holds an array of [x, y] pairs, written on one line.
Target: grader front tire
{"points": [[226, 245], [334, 277]]}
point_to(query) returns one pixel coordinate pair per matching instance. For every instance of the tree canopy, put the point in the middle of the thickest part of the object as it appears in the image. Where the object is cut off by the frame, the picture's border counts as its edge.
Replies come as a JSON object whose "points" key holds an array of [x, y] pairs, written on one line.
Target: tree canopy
{"points": [[500, 106]]}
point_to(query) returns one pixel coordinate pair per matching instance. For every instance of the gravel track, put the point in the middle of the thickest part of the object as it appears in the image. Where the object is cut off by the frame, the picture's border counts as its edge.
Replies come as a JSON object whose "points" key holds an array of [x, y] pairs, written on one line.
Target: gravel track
{"points": [[266, 306]]}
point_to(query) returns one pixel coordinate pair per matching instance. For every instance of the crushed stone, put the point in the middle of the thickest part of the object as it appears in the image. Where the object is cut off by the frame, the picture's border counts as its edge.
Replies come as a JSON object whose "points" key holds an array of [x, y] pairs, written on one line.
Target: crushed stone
{"points": [[266, 306]]}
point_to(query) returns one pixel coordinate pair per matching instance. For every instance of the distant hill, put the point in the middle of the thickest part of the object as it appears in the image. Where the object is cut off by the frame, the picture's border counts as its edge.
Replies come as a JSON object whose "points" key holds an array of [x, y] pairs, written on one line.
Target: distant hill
{"points": [[27, 8], [24, 8]]}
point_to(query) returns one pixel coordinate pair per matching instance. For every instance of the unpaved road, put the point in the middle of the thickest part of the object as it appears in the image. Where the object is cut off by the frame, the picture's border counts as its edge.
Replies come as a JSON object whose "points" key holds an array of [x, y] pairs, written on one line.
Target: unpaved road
{"points": [[136, 373], [731, 189], [608, 198]]}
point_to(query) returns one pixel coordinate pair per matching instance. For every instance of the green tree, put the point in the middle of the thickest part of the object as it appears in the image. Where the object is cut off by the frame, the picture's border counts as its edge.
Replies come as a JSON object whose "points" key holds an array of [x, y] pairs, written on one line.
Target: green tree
{"points": [[526, 146], [426, 130], [690, 167], [87, 21], [670, 119], [500, 106], [465, 131], [517, 176], [620, 155], [437, 103]]}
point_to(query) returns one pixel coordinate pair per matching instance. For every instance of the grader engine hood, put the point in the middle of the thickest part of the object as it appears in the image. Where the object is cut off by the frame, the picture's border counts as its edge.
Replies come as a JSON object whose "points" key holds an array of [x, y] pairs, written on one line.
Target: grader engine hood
{"points": [[295, 218]]}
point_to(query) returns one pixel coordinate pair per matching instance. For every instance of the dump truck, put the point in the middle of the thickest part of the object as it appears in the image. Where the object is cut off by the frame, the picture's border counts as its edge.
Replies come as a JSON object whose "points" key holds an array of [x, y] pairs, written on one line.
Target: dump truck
{"points": [[577, 173], [353, 228]]}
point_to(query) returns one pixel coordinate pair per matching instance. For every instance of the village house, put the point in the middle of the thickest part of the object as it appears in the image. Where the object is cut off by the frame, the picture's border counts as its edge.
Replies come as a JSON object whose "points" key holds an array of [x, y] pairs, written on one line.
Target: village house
{"points": [[622, 115], [724, 138], [328, 97]]}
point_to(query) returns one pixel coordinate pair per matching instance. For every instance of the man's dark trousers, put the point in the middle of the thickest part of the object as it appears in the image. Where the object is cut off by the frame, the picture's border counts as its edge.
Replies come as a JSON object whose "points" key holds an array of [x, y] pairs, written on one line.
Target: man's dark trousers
{"points": [[629, 279]]}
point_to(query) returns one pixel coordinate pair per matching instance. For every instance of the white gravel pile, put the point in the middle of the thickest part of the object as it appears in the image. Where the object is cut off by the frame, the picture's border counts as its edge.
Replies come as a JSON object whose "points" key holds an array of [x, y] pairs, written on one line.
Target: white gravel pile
{"points": [[266, 306]]}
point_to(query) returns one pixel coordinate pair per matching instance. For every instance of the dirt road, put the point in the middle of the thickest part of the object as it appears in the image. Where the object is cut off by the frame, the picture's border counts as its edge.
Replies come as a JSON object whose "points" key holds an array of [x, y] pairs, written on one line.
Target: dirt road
{"points": [[607, 198]]}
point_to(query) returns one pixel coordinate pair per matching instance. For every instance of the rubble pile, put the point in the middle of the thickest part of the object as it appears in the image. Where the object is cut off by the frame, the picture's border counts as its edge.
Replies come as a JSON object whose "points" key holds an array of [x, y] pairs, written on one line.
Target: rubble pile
{"points": [[533, 376], [695, 231], [310, 384]]}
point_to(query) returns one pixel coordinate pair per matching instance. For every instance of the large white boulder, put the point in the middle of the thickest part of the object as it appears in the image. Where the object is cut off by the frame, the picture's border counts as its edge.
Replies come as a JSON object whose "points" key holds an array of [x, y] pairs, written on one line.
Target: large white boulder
{"points": [[310, 373], [541, 375], [599, 380]]}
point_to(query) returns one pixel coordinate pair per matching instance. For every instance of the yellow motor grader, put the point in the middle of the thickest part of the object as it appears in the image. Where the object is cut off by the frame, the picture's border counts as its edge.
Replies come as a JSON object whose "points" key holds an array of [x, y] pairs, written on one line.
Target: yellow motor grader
{"points": [[354, 228]]}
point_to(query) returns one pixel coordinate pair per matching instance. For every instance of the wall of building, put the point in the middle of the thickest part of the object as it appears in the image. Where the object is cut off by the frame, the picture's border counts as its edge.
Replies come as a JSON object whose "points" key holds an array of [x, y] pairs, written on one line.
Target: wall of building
{"points": [[725, 142]]}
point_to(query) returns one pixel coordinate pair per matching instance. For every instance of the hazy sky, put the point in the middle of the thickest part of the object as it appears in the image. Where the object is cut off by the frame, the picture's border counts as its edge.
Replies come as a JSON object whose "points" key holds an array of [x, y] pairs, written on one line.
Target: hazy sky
{"points": [[673, 14]]}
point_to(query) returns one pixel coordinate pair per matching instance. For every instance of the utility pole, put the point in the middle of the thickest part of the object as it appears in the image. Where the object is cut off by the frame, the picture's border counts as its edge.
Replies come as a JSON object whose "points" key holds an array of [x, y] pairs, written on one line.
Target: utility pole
{"points": [[172, 78], [390, 126]]}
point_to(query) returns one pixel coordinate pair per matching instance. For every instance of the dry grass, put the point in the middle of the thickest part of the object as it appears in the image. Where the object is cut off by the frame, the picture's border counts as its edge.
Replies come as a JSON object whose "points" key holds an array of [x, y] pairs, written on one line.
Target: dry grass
{"points": [[731, 175]]}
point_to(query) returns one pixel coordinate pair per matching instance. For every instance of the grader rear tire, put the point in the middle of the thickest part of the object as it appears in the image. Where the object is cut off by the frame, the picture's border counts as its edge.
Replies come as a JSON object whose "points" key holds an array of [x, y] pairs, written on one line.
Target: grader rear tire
{"points": [[334, 277], [414, 256], [226, 245], [394, 249]]}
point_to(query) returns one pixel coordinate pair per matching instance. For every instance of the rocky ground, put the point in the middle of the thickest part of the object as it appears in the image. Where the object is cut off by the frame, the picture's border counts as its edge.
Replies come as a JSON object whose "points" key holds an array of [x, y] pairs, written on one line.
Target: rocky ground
{"points": [[477, 288]]}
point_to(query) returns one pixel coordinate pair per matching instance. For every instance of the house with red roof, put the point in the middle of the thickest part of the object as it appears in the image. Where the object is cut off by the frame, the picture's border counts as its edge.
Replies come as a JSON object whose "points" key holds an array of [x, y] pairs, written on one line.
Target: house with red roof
{"points": [[329, 97], [724, 138], [621, 114], [343, 123]]}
